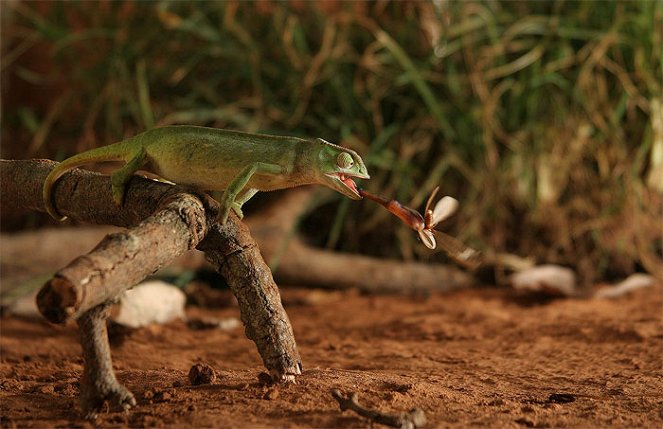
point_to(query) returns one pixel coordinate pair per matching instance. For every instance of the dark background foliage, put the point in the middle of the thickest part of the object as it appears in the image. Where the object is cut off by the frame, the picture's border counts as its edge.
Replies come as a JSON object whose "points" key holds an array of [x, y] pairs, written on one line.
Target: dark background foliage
{"points": [[544, 119]]}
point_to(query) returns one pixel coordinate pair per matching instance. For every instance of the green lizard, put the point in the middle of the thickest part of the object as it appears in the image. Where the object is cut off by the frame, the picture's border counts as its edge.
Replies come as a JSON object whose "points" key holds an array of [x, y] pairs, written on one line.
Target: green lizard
{"points": [[209, 159]]}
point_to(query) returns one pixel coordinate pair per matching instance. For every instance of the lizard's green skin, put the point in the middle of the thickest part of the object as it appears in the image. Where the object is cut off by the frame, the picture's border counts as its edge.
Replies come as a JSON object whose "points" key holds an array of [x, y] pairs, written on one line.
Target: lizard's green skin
{"points": [[210, 159]]}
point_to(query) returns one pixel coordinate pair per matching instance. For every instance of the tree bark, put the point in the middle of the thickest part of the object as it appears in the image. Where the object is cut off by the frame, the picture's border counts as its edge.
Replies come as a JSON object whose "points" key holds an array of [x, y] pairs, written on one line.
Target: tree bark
{"points": [[123, 259], [178, 226]]}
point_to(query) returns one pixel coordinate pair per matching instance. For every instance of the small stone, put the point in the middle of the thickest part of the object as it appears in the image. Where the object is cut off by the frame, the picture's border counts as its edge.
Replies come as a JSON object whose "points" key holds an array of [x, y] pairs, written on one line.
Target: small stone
{"points": [[25, 306], [417, 417], [153, 302], [202, 373], [271, 394], [550, 279], [631, 283], [66, 388], [265, 379], [561, 398], [47, 389], [9, 423], [525, 422]]}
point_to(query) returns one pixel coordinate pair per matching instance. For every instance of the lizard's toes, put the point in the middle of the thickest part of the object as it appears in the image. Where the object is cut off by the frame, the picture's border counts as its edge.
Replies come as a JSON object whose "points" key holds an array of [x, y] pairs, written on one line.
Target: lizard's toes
{"points": [[118, 198], [238, 210], [117, 189]]}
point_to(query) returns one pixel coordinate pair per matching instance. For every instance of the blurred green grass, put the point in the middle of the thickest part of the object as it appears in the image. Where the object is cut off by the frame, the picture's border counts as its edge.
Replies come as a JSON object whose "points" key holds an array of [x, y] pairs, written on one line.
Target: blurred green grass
{"points": [[543, 118]]}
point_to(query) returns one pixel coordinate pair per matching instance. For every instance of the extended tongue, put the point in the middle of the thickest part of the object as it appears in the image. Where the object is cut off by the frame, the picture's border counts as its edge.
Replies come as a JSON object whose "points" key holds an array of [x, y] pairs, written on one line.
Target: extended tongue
{"points": [[350, 184]]}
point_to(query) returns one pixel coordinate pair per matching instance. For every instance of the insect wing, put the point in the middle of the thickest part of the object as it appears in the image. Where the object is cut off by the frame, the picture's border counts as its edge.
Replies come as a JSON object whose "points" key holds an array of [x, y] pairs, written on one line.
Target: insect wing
{"points": [[459, 251], [427, 238], [443, 209]]}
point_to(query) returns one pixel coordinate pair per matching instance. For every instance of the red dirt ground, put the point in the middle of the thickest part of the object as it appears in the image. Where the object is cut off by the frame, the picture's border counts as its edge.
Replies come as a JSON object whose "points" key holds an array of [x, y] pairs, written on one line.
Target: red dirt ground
{"points": [[483, 357]]}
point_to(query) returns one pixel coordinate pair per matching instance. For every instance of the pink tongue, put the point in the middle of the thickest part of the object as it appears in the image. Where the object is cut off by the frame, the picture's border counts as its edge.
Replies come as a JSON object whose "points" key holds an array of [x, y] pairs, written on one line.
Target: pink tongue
{"points": [[351, 184]]}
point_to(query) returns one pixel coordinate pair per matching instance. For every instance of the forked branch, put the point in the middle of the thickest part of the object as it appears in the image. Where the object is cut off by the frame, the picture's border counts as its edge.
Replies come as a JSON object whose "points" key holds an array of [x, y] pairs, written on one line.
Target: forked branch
{"points": [[164, 222]]}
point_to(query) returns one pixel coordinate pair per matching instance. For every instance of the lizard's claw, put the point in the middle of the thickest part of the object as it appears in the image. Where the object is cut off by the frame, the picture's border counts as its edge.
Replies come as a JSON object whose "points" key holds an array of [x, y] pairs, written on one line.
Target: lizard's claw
{"points": [[117, 187], [238, 210]]}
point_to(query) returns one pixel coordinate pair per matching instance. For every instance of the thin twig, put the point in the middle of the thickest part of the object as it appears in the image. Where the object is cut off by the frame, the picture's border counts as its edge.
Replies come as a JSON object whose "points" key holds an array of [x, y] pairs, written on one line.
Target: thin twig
{"points": [[412, 419]]}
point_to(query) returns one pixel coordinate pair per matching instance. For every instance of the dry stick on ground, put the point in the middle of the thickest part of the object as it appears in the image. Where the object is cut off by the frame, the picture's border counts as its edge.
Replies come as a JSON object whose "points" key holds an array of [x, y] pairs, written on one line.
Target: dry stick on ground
{"points": [[180, 224], [414, 418], [272, 227], [300, 263], [27, 254]]}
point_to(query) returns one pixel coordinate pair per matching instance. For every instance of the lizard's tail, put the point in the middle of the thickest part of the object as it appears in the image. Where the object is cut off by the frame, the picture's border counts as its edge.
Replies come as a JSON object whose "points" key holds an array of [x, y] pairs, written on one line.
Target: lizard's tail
{"points": [[115, 152]]}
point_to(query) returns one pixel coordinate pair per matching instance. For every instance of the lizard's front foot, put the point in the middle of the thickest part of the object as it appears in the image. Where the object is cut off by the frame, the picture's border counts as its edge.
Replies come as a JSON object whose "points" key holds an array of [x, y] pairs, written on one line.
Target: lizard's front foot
{"points": [[94, 398], [224, 212], [118, 191], [226, 206]]}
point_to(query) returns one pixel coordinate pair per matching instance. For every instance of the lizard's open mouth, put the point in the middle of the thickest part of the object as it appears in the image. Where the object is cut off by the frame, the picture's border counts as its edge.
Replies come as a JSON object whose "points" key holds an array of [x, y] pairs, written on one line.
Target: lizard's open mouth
{"points": [[344, 184], [349, 183]]}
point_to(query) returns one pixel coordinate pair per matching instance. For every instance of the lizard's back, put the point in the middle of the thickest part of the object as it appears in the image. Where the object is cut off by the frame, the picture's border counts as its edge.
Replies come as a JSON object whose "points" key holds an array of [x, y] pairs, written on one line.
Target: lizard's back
{"points": [[209, 158]]}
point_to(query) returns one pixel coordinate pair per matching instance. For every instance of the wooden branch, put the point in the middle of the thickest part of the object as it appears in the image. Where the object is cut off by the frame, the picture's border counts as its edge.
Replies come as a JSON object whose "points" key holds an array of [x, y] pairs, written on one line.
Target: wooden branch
{"points": [[87, 196], [29, 253], [303, 264], [80, 194], [265, 320], [300, 264], [98, 384], [123, 259]]}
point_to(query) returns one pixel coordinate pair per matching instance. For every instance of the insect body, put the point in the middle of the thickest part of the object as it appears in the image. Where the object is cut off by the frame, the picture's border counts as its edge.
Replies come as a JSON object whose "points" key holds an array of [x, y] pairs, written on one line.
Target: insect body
{"points": [[443, 209], [425, 225]]}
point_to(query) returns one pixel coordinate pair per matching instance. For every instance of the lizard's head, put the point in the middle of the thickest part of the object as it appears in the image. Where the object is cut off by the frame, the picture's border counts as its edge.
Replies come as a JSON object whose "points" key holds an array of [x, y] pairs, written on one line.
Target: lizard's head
{"points": [[338, 166]]}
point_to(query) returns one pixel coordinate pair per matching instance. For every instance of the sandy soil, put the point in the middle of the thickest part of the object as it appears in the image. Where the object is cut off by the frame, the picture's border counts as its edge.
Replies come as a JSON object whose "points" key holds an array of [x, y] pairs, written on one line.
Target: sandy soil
{"points": [[484, 357]]}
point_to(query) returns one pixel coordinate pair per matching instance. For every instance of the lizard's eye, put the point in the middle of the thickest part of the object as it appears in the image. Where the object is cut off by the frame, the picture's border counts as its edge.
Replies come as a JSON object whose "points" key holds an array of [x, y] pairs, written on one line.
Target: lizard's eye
{"points": [[344, 160]]}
